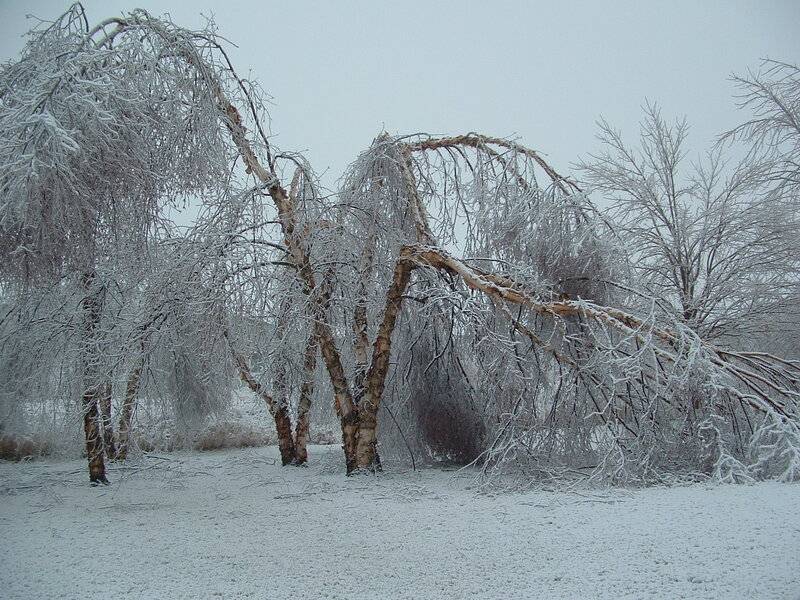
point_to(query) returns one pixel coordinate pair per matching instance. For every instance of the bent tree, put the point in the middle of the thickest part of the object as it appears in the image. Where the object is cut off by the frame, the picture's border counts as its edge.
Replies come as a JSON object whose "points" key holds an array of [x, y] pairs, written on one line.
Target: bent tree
{"points": [[106, 126], [538, 262]]}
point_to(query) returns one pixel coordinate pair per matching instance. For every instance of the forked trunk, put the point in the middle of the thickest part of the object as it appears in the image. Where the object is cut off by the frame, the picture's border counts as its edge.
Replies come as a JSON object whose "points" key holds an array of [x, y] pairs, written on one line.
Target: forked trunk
{"points": [[375, 381], [299, 256]]}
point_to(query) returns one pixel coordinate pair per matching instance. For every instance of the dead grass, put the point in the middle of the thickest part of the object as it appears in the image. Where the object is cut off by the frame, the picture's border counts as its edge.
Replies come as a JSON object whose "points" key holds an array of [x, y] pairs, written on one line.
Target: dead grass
{"points": [[21, 447], [232, 435], [324, 438], [216, 436]]}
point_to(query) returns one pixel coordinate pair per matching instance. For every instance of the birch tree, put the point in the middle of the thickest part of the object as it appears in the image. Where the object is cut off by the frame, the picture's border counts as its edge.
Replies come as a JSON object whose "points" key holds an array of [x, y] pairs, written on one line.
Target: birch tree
{"points": [[492, 244], [551, 278]]}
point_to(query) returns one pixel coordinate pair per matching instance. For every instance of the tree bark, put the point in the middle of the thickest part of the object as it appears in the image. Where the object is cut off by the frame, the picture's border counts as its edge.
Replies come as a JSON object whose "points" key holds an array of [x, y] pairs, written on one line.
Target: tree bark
{"points": [[279, 412], [299, 257], [94, 441], [360, 323], [128, 406], [375, 381], [346, 407], [304, 404], [280, 406], [283, 425], [92, 307], [108, 426]]}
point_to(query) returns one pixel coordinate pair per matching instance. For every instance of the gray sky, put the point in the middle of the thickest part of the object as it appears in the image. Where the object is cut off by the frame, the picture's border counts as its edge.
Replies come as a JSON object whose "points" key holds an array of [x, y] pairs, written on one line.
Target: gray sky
{"points": [[339, 72]]}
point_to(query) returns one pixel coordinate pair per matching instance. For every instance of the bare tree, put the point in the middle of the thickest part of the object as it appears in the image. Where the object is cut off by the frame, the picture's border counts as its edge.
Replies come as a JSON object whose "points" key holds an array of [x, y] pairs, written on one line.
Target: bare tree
{"points": [[772, 95], [703, 237]]}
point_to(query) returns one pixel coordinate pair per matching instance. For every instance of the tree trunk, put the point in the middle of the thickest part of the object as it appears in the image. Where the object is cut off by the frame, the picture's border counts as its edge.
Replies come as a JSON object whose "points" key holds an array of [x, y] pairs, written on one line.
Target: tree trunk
{"points": [[375, 381], [246, 375], [283, 425], [128, 406], [92, 306], [360, 323], [342, 398], [280, 407], [304, 404], [279, 412], [94, 441], [346, 408], [108, 427]]}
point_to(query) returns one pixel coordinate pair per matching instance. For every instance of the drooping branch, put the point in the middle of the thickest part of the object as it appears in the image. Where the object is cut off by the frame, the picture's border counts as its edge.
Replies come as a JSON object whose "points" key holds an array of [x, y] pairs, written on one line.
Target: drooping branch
{"points": [[475, 140], [781, 378]]}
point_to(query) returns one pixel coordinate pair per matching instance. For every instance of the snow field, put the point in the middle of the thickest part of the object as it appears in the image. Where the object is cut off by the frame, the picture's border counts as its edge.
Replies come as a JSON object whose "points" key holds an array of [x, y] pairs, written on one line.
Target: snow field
{"points": [[234, 524]]}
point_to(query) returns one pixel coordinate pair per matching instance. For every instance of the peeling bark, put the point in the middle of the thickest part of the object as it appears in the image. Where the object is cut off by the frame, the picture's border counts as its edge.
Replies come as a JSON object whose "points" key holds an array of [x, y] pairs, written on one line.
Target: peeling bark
{"points": [[346, 407], [280, 407], [94, 441], [283, 425], [360, 323], [280, 414], [366, 450], [299, 256]]}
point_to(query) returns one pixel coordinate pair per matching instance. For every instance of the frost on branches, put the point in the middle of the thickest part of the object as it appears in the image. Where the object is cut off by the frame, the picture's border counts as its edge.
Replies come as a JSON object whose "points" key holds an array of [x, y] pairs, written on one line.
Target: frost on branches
{"points": [[457, 298]]}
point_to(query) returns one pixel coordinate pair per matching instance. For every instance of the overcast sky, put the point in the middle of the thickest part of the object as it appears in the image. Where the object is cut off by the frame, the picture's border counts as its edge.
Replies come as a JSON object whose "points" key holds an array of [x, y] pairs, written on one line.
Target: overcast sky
{"points": [[340, 72]]}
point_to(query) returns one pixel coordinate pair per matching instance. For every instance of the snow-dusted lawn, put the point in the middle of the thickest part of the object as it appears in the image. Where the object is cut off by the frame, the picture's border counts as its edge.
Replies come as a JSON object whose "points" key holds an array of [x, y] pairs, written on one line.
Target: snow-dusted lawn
{"points": [[233, 524]]}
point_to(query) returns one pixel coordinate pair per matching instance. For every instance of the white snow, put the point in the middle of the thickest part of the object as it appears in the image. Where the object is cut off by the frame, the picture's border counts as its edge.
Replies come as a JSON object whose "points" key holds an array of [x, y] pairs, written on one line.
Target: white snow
{"points": [[234, 524]]}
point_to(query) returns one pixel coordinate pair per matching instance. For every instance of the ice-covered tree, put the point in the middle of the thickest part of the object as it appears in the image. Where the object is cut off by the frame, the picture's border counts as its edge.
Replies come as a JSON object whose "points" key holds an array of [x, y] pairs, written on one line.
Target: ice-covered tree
{"points": [[706, 237], [101, 128], [470, 253], [772, 95]]}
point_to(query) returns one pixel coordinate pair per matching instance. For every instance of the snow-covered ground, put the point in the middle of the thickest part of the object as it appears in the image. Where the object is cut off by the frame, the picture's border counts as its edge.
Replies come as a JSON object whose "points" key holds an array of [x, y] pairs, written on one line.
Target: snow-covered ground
{"points": [[234, 524]]}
